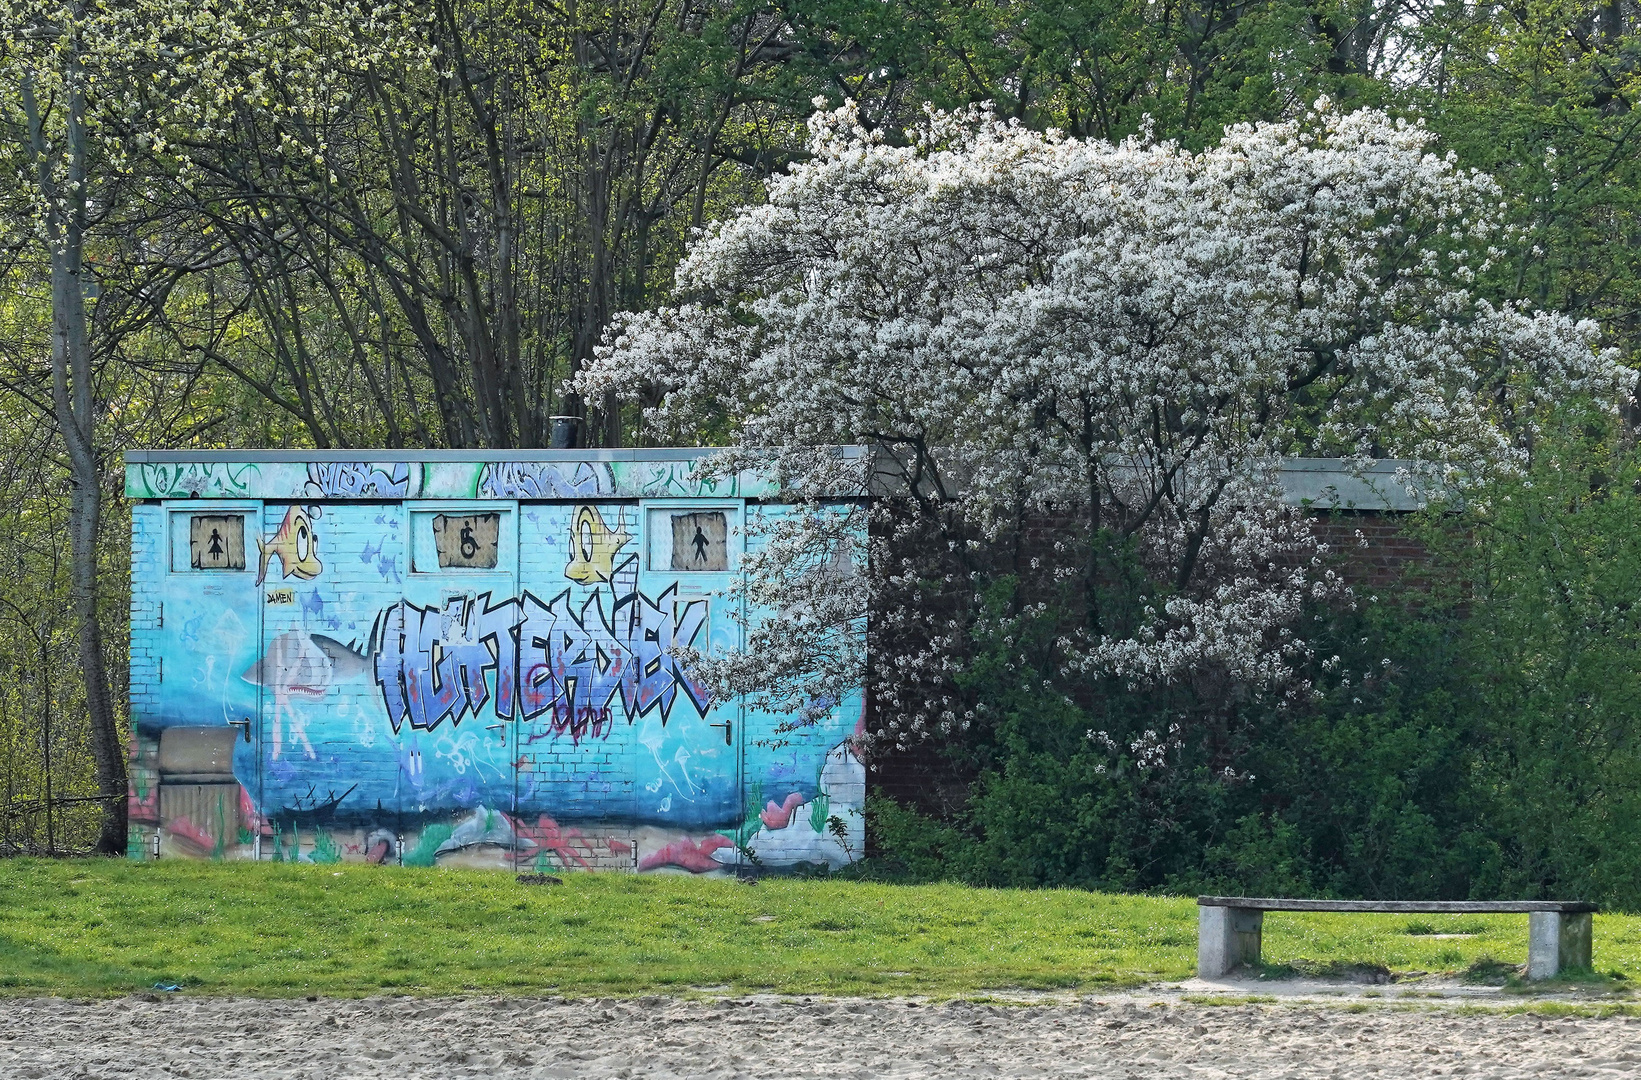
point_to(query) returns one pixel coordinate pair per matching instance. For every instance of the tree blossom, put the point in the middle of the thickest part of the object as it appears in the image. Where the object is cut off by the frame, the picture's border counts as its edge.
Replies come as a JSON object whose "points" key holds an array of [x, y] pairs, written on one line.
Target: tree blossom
{"points": [[1130, 335]]}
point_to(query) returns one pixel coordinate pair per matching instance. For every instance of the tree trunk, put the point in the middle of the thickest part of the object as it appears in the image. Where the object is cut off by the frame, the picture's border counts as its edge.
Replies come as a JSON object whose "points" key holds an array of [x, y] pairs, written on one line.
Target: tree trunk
{"points": [[71, 394]]}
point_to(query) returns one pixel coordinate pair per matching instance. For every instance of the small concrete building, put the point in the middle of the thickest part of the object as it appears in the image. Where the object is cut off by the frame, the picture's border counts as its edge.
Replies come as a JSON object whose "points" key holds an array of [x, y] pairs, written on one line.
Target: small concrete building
{"points": [[461, 657]]}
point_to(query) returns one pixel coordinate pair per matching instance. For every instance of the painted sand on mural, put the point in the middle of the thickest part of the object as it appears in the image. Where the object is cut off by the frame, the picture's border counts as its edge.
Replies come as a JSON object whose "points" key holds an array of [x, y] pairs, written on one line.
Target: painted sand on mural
{"points": [[434, 1039]]}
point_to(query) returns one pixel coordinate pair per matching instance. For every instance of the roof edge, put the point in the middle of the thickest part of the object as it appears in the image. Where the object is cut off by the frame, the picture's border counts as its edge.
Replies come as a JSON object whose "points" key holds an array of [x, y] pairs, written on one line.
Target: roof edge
{"points": [[386, 454]]}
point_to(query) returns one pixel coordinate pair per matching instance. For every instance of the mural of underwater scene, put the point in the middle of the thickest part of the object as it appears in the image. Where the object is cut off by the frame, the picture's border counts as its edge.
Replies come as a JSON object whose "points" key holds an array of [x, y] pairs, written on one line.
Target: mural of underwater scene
{"points": [[483, 682]]}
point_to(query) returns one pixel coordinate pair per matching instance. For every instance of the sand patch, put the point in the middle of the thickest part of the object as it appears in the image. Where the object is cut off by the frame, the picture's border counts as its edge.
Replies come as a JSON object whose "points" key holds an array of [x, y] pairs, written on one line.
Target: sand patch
{"points": [[518, 1038]]}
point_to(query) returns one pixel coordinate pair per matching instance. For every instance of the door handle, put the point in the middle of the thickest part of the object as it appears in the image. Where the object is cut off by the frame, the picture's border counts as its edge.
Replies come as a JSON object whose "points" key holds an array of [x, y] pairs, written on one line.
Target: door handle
{"points": [[244, 726], [729, 731]]}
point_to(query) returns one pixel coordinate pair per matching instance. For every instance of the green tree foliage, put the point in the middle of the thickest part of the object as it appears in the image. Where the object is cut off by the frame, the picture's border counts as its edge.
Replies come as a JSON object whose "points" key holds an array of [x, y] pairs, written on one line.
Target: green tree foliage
{"points": [[1472, 734], [1357, 793], [431, 255], [1542, 96], [1553, 638]]}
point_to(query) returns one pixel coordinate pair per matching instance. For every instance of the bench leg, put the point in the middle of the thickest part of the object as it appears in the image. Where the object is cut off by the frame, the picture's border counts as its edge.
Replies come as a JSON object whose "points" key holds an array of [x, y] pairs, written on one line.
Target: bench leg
{"points": [[1557, 942], [1227, 938]]}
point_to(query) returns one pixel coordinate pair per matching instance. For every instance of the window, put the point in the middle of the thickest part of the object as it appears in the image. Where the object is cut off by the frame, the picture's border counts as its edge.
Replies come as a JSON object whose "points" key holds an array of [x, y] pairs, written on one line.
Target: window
{"points": [[470, 541], [216, 542], [453, 538], [699, 539]]}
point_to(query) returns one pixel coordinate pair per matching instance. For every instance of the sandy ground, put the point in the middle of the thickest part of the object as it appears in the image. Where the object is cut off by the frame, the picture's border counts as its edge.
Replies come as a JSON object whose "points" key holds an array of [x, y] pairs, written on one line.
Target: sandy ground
{"points": [[1118, 1036]]}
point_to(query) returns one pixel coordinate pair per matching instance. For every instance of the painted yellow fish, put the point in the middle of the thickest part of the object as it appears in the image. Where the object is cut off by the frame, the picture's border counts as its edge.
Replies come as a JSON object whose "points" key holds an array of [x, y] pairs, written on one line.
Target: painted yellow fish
{"points": [[594, 546], [296, 546]]}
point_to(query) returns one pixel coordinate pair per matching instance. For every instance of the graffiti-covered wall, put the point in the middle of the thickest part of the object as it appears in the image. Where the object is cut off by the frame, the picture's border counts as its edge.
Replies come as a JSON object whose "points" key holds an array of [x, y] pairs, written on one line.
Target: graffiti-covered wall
{"points": [[471, 662]]}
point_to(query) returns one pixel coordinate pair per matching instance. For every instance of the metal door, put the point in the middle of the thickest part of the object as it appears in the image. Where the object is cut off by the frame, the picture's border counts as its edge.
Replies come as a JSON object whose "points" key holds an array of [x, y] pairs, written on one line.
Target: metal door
{"points": [[453, 683], [689, 762], [329, 778], [194, 760], [578, 692]]}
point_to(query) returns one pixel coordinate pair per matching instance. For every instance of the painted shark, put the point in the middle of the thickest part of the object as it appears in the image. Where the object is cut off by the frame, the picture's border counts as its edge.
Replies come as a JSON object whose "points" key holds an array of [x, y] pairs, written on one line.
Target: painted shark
{"points": [[302, 665], [306, 664]]}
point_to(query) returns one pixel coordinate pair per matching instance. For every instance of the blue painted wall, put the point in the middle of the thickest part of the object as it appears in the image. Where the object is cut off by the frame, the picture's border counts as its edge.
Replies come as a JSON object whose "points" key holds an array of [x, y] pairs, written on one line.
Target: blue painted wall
{"points": [[361, 702]]}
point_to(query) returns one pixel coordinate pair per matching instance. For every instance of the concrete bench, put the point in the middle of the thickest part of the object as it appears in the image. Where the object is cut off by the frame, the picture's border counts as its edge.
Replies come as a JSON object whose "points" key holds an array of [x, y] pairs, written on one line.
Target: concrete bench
{"points": [[1229, 927]]}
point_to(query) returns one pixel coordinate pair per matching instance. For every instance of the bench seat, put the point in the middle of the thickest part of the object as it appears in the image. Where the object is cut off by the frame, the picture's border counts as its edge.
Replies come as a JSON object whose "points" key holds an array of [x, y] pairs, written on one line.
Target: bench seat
{"points": [[1230, 928]]}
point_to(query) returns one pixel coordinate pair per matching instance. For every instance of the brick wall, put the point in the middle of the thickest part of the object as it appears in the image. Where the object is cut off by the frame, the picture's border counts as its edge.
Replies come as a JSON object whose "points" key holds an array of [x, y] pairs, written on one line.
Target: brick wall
{"points": [[1369, 548], [142, 770], [147, 549]]}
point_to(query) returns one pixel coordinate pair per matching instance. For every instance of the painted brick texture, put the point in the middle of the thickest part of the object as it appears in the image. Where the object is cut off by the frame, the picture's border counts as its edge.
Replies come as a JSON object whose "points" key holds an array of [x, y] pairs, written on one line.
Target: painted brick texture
{"points": [[360, 692]]}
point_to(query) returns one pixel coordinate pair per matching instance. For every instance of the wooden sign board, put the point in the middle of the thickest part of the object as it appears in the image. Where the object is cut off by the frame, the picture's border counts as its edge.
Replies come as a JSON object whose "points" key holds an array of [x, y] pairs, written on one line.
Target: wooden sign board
{"points": [[700, 541], [467, 541], [216, 542]]}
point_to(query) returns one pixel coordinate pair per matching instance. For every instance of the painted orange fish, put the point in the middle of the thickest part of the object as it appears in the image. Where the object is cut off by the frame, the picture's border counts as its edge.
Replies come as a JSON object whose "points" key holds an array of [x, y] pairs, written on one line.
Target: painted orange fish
{"points": [[296, 546]]}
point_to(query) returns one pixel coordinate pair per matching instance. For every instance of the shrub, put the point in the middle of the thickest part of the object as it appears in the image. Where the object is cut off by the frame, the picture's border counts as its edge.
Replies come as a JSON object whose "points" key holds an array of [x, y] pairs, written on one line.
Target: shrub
{"points": [[1471, 734]]}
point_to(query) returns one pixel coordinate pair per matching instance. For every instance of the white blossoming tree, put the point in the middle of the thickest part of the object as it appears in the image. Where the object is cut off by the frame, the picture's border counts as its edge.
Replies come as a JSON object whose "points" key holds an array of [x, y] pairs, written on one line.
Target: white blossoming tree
{"points": [[1120, 340]]}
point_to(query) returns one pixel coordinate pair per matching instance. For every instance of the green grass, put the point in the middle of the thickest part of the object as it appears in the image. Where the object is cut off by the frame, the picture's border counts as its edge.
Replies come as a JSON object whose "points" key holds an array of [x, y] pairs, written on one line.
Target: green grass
{"points": [[104, 927]]}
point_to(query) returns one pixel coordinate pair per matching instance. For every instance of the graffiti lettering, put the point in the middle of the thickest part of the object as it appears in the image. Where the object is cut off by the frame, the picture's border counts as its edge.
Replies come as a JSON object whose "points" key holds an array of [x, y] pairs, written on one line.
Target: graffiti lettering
{"points": [[545, 479], [550, 659], [193, 480], [358, 480]]}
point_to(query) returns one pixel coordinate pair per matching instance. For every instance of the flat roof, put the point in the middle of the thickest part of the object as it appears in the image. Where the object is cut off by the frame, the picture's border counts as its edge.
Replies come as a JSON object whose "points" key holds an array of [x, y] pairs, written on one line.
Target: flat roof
{"points": [[629, 472], [1334, 484]]}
